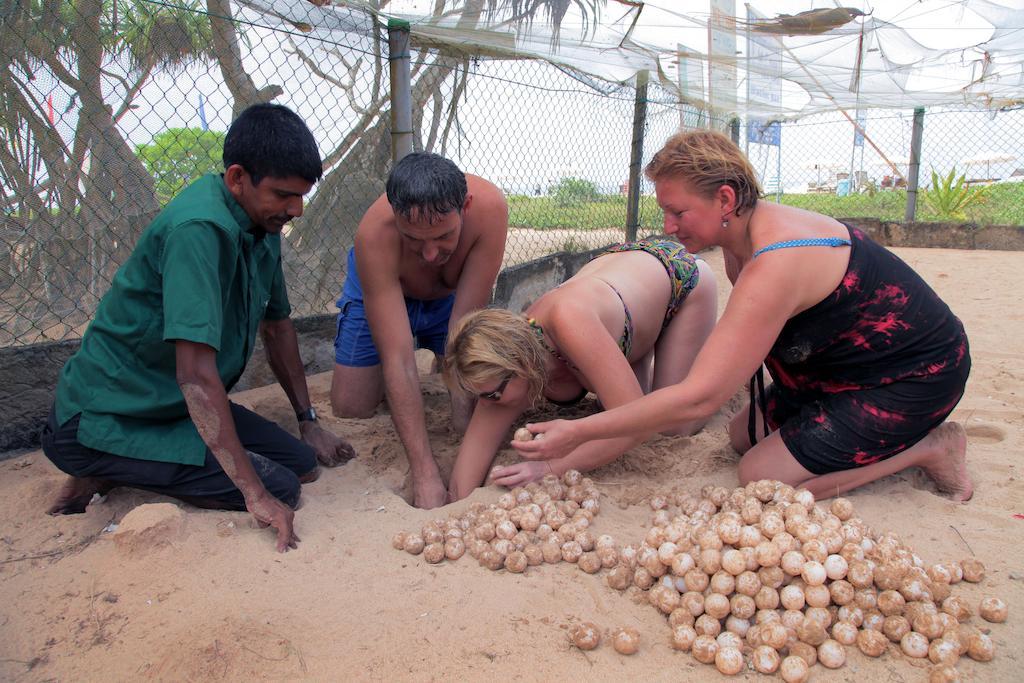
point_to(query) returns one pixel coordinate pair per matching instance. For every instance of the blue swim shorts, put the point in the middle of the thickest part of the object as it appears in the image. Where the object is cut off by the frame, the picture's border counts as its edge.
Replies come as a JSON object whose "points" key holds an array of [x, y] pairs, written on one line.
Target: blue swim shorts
{"points": [[353, 344]]}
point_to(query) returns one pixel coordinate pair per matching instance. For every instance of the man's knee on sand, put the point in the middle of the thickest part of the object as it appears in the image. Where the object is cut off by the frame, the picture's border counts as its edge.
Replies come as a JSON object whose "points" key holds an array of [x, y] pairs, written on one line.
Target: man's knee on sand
{"points": [[356, 391]]}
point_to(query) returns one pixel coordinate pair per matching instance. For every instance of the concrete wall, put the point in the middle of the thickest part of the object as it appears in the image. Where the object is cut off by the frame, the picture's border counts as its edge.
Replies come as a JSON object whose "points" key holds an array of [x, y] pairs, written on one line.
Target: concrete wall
{"points": [[28, 374]]}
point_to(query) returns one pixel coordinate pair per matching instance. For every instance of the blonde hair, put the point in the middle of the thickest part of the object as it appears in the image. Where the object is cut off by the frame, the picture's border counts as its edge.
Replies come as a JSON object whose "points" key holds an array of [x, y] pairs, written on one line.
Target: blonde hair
{"points": [[491, 344], [706, 160]]}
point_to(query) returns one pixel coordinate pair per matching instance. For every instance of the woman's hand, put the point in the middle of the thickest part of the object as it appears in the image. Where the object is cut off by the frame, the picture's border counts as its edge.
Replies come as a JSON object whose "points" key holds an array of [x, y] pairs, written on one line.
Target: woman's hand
{"points": [[551, 440], [520, 474]]}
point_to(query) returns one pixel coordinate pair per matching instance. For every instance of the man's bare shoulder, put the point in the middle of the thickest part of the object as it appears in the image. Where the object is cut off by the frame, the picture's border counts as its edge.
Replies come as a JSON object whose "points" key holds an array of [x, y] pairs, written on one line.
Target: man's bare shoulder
{"points": [[488, 203], [377, 240]]}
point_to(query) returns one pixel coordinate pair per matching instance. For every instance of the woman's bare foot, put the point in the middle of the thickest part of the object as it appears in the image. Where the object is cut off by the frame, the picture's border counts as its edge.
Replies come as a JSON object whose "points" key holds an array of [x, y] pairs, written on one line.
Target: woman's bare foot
{"points": [[948, 467], [76, 493]]}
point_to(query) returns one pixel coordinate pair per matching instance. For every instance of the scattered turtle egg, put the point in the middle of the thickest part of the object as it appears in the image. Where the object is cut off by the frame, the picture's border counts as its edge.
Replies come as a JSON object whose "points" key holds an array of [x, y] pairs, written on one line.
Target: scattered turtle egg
{"points": [[737, 625], [682, 563], [929, 625], [516, 562], [766, 598], [872, 643], [609, 557], [454, 548], [433, 552], [413, 544], [398, 541], [642, 578], [980, 647], [774, 634], [707, 625], [895, 627], [993, 609], [793, 562], [729, 660], [551, 551], [944, 651], [817, 596], [891, 602], [696, 580], [831, 654], [873, 620], [664, 598], [914, 645], [806, 652], [716, 605], [571, 551], [522, 434], [957, 607], [589, 562], [704, 648], [768, 554], [683, 637], [585, 635], [973, 570], [491, 559], [792, 597], [842, 592], [534, 554], [722, 582], [572, 478], [836, 567], [844, 632], [731, 561], [794, 670], [811, 631], [850, 613], [626, 641], [620, 578], [842, 508], [765, 659], [729, 639]]}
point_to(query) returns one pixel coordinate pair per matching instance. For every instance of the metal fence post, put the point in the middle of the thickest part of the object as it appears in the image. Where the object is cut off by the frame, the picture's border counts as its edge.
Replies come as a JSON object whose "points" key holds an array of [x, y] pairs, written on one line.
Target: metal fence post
{"points": [[401, 88], [636, 156], [915, 164]]}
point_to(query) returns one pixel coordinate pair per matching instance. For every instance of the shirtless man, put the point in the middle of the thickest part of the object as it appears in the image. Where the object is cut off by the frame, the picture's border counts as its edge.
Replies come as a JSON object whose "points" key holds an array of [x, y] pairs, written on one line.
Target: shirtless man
{"points": [[426, 253]]}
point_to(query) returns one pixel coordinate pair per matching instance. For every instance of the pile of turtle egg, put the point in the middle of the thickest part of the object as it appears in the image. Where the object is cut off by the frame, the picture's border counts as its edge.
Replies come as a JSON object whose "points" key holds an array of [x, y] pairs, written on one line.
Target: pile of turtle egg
{"points": [[758, 577]]}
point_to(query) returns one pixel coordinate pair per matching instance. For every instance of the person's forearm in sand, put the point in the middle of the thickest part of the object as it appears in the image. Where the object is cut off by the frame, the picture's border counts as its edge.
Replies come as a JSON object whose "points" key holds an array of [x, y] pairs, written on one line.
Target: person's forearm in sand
{"points": [[207, 403]]}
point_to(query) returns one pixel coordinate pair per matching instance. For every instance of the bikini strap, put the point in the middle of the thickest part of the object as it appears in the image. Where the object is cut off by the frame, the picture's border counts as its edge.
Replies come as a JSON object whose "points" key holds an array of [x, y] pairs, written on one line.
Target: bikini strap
{"points": [[812, 242], [539, 331]]}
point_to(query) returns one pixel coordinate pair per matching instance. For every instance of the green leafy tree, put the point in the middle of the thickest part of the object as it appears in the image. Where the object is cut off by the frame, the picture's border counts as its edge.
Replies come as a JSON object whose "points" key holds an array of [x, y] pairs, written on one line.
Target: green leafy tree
{"points": [[177, 156], [572, 191], [950, 196]]}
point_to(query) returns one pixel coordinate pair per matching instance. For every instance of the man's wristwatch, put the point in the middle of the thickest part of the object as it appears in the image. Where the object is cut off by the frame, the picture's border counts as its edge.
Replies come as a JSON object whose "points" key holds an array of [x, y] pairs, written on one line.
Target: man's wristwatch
{"points": [[307, 415]]}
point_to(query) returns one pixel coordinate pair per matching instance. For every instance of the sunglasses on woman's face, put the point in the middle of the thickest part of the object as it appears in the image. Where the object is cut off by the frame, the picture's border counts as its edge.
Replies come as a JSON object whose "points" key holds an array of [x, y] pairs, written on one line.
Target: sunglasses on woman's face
{"points": [[495, 394]]}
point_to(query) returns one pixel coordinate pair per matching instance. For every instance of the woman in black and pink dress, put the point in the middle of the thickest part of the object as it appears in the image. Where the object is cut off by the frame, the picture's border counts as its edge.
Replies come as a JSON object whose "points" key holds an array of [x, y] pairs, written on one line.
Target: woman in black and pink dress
{"points": [[867, 360]]}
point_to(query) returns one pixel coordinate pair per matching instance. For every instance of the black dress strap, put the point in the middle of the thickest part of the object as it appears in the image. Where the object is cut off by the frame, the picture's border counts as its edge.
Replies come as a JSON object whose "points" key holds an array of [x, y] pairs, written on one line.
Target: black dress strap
{"points": [[760, 398]]}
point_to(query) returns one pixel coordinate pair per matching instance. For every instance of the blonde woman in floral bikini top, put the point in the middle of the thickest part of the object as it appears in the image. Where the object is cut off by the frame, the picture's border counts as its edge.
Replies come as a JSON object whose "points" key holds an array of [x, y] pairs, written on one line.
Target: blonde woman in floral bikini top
{"points": [[630, 321]]}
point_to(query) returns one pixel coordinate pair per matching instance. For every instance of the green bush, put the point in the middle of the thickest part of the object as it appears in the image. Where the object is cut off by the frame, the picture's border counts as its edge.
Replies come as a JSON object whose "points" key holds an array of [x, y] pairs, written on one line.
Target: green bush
{"points": [[573, 191], [949, 197], [178, 156]]}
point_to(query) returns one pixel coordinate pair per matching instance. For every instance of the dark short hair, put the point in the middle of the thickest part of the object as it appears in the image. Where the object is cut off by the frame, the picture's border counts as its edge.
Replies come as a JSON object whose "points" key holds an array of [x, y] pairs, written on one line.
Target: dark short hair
{"points": [[272, 140], [428, 183]]}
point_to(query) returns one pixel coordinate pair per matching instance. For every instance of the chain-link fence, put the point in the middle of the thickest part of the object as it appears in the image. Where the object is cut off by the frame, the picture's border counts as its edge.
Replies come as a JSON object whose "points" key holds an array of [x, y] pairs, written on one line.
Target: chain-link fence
{"points": [[109, 109]]}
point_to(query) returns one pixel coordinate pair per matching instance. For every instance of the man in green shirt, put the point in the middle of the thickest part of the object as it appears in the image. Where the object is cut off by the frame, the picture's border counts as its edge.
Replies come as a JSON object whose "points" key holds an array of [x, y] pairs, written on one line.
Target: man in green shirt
{"points": [[144, 401]]}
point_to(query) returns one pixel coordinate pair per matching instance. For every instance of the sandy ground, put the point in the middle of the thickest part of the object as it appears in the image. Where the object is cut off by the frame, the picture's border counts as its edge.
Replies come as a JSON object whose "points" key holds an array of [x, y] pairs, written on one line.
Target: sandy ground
{"points": [[211, 600]]}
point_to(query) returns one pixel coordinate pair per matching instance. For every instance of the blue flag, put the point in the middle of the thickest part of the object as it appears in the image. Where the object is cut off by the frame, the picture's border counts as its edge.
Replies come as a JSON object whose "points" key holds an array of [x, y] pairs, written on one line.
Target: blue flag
{"points": [[202, 114]]}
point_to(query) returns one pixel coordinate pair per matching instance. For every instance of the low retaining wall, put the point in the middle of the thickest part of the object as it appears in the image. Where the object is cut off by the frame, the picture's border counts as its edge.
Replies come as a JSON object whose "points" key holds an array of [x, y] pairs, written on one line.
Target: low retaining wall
{"points": [[28, 374]]}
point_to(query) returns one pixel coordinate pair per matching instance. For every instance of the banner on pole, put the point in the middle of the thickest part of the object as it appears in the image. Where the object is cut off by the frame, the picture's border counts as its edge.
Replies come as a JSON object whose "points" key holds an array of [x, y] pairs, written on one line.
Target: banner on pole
{"points": [[764, 132]]}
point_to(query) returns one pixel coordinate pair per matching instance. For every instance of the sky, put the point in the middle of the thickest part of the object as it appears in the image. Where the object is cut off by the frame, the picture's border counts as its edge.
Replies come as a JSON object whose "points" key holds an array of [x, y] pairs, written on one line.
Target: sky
{"points": [[528, 136]]}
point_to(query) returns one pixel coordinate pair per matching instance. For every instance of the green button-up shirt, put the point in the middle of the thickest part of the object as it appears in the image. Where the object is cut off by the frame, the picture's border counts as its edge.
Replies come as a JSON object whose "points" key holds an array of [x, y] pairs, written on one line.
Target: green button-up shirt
{"points": [[198, 274]]}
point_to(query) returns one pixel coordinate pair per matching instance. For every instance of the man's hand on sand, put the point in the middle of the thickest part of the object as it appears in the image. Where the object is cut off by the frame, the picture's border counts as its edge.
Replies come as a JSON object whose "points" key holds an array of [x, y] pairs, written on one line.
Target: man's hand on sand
{"points": [[269, 511], [331, 450], [429, 492]]}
